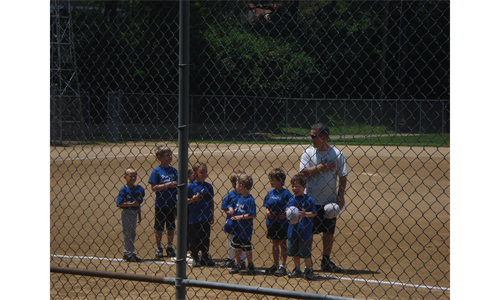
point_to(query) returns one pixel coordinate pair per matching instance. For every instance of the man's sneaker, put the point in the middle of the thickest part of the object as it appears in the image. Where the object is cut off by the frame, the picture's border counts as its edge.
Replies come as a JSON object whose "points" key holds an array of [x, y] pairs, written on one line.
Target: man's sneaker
{"points": [[159, 252], [281, 272], [295, 273], [171, 252], [206, 260], [328, 266], [272, 270], [131, 258], [308, 274]]}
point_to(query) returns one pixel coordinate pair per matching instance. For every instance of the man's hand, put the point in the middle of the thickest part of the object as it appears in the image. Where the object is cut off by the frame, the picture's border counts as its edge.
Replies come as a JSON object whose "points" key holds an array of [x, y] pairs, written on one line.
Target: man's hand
{"points": [[326, 166]]}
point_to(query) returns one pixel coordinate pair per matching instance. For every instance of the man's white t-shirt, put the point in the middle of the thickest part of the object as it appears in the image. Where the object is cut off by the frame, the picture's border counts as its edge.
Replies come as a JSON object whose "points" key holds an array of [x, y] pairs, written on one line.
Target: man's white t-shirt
{"points": [[322, 186]]}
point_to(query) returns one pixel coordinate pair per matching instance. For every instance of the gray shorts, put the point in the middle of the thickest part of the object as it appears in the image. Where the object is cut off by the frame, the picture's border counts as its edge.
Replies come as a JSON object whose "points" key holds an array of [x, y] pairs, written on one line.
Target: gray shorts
{"points": [[298, 247]]}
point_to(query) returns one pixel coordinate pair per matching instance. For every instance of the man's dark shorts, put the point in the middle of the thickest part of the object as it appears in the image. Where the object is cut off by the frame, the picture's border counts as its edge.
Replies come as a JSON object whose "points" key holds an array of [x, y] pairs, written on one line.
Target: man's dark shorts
{"points": [[322, 224]]}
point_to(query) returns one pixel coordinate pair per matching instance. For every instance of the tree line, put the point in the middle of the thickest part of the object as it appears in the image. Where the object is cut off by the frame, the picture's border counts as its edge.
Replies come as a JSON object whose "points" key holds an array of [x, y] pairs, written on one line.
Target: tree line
{"points": [[305, 49]]}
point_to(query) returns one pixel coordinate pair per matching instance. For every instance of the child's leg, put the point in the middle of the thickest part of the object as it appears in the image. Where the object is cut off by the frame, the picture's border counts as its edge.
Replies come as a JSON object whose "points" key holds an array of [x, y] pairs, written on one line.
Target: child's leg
{"points": [[283, 257], [170, 236], [158, 235], [296, 260], [249, 257], [129, 222], [237, 258], [231, 253], [276, 251], [308, 262]]}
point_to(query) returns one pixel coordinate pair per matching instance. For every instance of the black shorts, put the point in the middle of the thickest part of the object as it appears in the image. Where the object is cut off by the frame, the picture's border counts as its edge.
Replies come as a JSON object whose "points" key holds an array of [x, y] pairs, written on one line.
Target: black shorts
{"points": [[165, 216], [240, 244], [322, 224], [277, 231]]}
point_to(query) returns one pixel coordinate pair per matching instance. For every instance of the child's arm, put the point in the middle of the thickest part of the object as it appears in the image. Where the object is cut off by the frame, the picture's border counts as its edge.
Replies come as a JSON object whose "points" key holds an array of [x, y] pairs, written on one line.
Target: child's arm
{"points": [[306, 214], [269, 214], [162, 187], [194, 199], [241, 217], [139, 215], [128, 204]]}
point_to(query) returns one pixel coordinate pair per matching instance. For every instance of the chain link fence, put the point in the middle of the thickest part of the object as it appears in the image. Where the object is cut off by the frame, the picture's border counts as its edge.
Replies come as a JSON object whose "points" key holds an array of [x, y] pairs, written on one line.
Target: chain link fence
{"points": [[261, 74]]}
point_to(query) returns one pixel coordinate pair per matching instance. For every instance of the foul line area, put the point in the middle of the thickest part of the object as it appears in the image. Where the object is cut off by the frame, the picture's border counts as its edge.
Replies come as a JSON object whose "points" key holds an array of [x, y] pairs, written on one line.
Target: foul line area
{"points": [[317, 276], [176, 153]]}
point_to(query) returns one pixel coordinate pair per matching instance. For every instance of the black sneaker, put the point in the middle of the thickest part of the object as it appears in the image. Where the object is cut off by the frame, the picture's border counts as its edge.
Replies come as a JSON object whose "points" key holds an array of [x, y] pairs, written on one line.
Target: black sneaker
{"points": [[228, 263], [170, 252], [309, 274], [238, 268], [207, 261], [196, 262], [272, 270], [328, 266], [251, 268], [159, 252], [281, 272], [295, 273], [131, 258]]}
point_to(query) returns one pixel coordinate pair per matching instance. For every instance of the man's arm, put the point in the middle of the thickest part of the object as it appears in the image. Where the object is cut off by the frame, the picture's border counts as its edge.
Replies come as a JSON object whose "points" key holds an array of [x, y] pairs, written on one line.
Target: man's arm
{"points": [[321, 167], [341, 191]]}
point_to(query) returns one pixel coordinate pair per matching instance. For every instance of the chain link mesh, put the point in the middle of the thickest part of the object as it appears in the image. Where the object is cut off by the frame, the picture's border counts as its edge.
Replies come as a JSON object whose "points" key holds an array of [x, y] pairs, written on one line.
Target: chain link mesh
{"points": [[261, 73]]}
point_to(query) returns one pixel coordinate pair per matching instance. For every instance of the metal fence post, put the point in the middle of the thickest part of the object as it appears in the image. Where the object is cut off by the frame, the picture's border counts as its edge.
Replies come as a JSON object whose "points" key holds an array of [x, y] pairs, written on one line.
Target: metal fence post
{"points": [[180, 289]]}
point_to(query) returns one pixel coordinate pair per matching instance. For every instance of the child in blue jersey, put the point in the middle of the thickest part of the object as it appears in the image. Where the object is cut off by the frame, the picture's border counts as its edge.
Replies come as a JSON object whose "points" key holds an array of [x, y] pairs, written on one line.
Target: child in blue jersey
{"points": [[300, 234], [229, 225], [243, 211], [200, 216], [163, 182], [129, 200], [275, 203]]}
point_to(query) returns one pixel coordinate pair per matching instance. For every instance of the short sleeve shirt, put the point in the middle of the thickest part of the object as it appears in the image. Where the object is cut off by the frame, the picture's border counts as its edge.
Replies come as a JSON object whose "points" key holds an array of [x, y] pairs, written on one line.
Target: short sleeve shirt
{"points": [[166, 198], [130, 194]]}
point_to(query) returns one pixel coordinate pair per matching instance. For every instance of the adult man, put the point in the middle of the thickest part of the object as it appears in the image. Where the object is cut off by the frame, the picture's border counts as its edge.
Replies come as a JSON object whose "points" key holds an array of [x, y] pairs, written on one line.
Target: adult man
{"points": [[321, 165]]}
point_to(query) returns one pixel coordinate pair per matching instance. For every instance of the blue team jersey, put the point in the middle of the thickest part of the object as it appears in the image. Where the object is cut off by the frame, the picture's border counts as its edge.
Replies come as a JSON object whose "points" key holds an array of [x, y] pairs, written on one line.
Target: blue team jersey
{"points": [[303, 229], [226, 203], [276, 201], [200, 210], [129, 194], [243, 205], [166, 198]]}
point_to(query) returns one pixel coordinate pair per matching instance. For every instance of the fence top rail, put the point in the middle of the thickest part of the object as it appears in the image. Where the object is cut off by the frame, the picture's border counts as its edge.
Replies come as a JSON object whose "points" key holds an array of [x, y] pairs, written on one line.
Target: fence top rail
{"points": [[296, 99]]}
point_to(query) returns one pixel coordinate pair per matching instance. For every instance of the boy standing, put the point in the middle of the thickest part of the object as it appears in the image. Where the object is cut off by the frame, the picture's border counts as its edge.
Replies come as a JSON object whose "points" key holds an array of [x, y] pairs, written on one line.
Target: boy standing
{"points": [[129, 200], [200, 216], [230, 225], [163, 182], [243, 211], [300, 234], [275, 203]]}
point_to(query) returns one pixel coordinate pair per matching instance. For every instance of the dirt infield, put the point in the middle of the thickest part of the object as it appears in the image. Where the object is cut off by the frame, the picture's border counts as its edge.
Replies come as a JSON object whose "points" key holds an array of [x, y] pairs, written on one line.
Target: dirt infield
{"points": [[393, 239]]}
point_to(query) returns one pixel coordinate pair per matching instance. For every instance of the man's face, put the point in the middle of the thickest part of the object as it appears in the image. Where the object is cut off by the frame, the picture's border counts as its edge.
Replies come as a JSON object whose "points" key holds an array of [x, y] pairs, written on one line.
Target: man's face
{"points": [[316, 140]]}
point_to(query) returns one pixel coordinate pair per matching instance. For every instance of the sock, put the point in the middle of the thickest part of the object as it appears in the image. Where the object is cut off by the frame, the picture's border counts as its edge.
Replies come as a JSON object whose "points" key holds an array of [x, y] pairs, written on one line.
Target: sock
{"points": [[281, 266], [169, 246]]}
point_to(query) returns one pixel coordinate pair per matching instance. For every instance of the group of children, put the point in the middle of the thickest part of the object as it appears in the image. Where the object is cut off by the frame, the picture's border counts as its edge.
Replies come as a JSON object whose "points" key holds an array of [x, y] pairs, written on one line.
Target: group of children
{"points": [[239, 205]]}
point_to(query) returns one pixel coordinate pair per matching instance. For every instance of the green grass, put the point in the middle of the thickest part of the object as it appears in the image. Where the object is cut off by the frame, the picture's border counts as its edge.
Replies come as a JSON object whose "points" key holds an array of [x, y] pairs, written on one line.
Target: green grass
{"points": [[435, 140], [399, 140]]}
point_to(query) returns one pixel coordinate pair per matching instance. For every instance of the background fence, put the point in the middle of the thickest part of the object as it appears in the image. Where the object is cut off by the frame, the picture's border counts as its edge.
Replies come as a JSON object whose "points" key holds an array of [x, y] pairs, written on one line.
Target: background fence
{"points": [[376, 72]]}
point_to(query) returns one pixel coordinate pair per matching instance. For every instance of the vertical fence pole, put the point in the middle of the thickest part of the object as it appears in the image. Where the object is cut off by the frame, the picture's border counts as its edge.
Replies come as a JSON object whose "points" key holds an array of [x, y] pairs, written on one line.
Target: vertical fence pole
{"points": [[180, 289]]}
